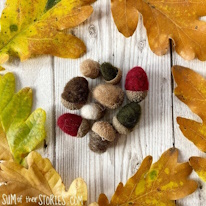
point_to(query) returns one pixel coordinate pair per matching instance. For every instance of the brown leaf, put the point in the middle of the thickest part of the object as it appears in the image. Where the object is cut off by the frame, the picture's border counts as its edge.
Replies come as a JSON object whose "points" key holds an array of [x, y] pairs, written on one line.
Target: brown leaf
{"points": [[155, 184], [199, 165], [125, 16], [191, 89], [40, 179], [169, 19]]}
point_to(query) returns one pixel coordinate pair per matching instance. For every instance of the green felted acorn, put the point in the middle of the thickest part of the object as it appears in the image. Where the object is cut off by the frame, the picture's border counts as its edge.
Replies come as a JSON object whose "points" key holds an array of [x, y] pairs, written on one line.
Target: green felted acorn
{"points": [[111, 74], [127, 118]]}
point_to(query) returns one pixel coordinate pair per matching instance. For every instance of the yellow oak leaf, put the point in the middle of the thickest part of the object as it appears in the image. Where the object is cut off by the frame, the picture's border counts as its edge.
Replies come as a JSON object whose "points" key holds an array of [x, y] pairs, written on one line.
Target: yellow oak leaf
{"points": [[155, 184], [178, 20], [32, 28], [20, 131], [191, 89], [40, 181]]}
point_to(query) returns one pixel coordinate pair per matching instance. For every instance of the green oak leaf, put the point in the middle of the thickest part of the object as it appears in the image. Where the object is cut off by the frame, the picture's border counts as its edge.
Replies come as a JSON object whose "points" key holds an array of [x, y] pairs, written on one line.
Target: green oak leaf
{"points": [[20, 132]]}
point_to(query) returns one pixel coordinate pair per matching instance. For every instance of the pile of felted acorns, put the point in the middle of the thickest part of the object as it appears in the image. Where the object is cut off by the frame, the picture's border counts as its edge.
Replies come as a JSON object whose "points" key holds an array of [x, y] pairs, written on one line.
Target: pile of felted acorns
{"points": [[107, 96]]}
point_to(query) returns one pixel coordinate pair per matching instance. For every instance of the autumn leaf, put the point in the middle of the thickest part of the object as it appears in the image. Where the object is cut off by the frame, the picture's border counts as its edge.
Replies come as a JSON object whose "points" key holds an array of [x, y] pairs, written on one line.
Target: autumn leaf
{"points": [[20, 132], [125, 16], [191, 89], [29, 28], [155, 184], [40, 180], [168, 19]]}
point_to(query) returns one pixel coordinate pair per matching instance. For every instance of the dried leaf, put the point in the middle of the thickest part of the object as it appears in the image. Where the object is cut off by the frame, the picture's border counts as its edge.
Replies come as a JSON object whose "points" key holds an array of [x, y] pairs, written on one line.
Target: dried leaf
{"points": [[191, 89], [169, 19], [28, 28], [40, 179], [199, 165], [157, 184], [125, 16], [19, 132]]}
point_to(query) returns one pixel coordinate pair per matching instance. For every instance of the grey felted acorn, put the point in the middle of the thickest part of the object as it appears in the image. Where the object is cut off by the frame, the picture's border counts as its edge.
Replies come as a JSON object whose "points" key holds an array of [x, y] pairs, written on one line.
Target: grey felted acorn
{"points": [[93, 111], [127, 118], [101, 136], [111, 74], [90, 68], [109, 95], [75, 93]]}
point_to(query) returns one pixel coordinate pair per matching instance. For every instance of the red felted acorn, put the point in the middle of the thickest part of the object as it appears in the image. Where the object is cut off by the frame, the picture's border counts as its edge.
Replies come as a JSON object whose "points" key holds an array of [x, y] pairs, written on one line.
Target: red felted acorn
{"points": [[136, 84], [73, 125]]}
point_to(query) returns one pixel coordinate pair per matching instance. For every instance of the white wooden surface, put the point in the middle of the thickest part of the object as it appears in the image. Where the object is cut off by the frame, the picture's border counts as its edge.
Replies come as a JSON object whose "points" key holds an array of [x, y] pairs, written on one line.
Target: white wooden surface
{"points": [[157, 130]]}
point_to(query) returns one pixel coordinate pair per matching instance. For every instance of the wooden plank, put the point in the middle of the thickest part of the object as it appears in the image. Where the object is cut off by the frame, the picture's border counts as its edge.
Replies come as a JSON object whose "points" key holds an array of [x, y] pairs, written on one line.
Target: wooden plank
{"points": [[187, 148], [37, 73], [73, 157], [154, 134]]}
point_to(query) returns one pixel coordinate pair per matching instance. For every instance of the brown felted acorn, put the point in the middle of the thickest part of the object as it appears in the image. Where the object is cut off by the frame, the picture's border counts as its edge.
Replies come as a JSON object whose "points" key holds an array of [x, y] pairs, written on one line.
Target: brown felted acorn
{"points": [[101, 136], [90, 68], [93, 111], [127, 118], [109, 95], [75, 93], [111, 74]]}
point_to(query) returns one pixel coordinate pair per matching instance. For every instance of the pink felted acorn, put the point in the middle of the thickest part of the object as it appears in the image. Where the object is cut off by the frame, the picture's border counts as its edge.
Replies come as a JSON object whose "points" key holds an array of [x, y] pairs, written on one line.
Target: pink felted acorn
{"points": [[136, 84], [73, 125]]}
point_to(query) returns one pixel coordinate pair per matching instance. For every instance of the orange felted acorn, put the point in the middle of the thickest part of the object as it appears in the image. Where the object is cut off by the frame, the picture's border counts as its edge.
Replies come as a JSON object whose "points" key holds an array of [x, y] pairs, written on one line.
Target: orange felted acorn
{"points": [[136, 84]]}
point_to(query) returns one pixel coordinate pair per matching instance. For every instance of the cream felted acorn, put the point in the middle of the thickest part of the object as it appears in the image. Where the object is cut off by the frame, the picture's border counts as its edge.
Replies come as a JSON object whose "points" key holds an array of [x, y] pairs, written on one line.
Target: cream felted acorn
{"points": [[101, 136], [127, 118], [111, 74], [93, 111], [75, 93], [108, 95], [136, 84], [90, 68]]}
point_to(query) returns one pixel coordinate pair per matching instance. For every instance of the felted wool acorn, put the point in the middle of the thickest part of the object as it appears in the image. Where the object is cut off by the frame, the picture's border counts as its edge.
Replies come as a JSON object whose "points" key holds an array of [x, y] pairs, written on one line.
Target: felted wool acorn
{"points": [[93, 111], [75, 93], [108, 95], [90, 68], [73, 125], [136, 84], [111, 74], [127, 118], [101, 136]]}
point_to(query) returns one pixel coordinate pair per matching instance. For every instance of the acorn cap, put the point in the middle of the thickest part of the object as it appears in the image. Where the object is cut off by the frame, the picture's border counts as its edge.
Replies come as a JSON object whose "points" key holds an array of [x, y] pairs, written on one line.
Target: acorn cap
{"points": [[127, 118], [109, 95], [90, 68], [75, 93], [84, 128], [136, 96], [136, 84], [71, 106], [93, 111], [111, 74], [105, 130], [73, 125], [121, 129]]}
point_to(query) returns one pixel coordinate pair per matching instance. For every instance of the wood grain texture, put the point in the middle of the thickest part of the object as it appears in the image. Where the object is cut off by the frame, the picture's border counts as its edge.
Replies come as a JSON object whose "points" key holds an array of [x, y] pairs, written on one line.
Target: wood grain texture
{"points": [[155, 133]]}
